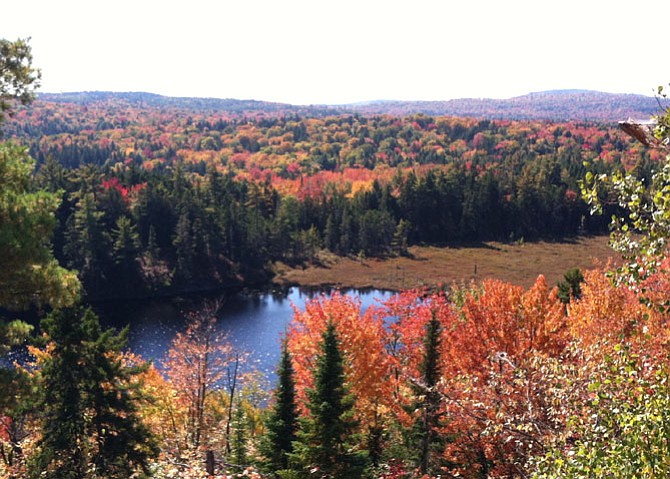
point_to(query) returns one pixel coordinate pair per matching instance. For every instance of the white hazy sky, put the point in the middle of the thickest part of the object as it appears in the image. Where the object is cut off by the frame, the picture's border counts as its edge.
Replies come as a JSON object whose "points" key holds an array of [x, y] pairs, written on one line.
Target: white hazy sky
{"points": [[324, 51]]}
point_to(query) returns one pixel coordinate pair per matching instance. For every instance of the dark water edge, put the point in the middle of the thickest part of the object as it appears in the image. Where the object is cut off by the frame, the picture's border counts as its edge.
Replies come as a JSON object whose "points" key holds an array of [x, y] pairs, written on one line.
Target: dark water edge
{"points": [[254, 320]]}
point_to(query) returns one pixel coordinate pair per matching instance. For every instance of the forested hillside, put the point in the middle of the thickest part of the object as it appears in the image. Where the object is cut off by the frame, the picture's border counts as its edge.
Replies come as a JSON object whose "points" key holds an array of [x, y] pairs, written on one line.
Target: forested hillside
{"points": [[557, 105], [165, 195], [486, 380]]}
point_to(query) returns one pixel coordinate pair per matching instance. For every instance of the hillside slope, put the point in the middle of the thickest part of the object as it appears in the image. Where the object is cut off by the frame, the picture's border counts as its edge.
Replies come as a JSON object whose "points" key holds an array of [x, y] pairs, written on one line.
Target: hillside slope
{"points": [[551, 105], [557, 105]]}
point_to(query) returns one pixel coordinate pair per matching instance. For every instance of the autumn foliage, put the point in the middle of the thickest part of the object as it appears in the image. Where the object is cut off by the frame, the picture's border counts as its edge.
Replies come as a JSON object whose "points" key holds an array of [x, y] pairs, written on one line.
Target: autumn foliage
{"points": [[514, 363], [514, 372], [368, 366]]}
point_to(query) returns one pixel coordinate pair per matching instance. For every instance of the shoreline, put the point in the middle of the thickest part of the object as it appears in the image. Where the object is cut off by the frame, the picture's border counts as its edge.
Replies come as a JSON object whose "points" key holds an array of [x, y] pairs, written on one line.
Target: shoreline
{"points": [[431, 266], [425, 267]]}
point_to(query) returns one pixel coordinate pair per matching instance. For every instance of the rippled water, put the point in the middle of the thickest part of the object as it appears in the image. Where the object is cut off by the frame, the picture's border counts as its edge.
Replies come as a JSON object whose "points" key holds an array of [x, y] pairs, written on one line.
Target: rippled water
{"points": [[254, 322]]}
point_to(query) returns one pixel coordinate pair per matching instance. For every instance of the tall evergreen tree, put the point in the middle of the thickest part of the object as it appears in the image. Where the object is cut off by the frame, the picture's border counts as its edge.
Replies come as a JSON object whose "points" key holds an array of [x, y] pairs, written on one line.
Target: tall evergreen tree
{"points": [[282, 424], [325, 445], [126, 248], [90, 426], [571, 287], [88, 243], [426, 427], [239, 437], [184, 245]]}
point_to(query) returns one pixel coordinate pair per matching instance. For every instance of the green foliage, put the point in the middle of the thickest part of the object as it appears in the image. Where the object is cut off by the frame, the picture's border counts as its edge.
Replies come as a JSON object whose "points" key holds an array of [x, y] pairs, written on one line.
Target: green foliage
{"points": [[640, 232], [12, 334], [622, 432], [90, 425], [326, 445], [426, 436], [28, 271], [125, 250], [282, 423], [87, 241], [18, 78], [399, 242], [570, 288], [239, 436]]}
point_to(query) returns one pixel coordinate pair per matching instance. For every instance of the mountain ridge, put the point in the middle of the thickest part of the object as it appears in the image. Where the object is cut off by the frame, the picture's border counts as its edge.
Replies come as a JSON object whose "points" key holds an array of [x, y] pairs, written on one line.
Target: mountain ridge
{"points": [[555, 105]]}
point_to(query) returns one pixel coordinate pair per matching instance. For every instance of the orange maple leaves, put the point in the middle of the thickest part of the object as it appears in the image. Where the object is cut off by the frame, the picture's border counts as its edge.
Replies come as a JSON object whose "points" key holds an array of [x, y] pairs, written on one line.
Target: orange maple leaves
{"points": [[503, 352], [362, 335]]}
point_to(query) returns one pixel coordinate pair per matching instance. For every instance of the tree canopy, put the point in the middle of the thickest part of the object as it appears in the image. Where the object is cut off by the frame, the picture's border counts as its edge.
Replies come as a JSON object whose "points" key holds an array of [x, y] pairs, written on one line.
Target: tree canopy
{"points": [[18, 77], [28, 271]]}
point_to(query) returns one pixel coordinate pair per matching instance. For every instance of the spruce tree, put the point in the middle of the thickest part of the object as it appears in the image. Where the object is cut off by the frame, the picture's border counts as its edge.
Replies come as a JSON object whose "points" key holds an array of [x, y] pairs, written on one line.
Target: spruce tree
{"points": [[282, 424], [62, 450], [325, 445], [126, 248], [426, 433], [239, 437], [184, 246], [90, 426]]}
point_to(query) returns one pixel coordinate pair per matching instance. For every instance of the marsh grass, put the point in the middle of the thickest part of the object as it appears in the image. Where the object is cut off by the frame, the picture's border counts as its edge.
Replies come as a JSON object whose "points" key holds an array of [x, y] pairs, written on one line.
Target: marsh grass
{"points": [[428, 266]]}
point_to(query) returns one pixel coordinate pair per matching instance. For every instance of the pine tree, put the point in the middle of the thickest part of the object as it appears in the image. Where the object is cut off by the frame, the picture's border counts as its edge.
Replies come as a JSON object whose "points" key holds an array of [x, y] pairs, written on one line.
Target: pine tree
{"points": [[28, 271], [570, 288], [62, 451], [152, 250], [426, 433], [239, 439], [330, 236], [399, 243], [325, 445], [183, 243], [90, 426], [18, 78], [126, 248], [282, 424], [87, 243]]}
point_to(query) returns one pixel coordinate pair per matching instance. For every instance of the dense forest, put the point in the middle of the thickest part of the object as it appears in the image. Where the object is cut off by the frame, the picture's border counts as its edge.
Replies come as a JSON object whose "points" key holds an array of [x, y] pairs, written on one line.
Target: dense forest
{"points": [[554, 105], [162, 196], [486, 380]]}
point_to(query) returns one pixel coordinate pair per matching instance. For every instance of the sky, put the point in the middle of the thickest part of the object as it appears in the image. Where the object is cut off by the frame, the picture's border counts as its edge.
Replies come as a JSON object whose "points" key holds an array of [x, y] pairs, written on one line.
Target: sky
{"points": [[344, 51]]}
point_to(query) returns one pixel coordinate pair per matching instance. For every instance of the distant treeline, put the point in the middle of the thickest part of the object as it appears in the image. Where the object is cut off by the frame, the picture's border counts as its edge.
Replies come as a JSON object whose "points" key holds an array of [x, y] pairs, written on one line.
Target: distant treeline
{"points": [[159, 200], [133, 232]]}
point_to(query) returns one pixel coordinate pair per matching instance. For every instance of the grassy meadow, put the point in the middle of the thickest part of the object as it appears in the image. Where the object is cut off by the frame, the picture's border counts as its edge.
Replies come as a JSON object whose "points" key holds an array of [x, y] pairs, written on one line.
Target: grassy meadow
{"points": [[427, 266]]}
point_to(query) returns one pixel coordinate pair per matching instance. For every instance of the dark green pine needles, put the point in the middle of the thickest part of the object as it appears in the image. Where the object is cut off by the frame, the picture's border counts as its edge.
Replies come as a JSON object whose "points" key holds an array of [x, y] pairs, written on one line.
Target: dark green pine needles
{"points": [[282, 424], [326, 444], [90, 426]]}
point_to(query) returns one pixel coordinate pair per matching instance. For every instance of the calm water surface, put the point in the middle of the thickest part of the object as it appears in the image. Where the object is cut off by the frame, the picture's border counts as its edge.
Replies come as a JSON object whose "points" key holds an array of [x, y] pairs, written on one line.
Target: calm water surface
{"points": [[254, 322]]}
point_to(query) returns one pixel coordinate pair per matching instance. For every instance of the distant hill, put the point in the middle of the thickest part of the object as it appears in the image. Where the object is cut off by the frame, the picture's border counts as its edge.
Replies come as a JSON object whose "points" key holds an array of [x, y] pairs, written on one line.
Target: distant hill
{"points": [[557, 105], [200, 105]]}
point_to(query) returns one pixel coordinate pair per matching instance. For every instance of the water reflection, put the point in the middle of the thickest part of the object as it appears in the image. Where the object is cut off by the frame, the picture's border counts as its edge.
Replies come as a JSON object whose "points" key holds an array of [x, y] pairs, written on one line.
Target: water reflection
{"points": [[253, 321]]}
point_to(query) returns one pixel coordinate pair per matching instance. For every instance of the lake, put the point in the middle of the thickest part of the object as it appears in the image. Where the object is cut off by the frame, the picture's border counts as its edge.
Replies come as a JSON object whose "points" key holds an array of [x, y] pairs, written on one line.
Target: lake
{"points": [[253, 321]]}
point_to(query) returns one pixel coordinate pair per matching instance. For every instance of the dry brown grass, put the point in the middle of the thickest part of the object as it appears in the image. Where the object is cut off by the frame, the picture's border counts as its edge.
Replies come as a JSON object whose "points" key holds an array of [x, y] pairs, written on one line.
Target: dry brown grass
{"points": [[429, 266]]}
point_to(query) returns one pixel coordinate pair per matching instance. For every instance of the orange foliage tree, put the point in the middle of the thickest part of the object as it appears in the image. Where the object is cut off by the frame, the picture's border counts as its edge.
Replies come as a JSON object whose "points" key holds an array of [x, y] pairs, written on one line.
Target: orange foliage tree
{"points": [[367, 364], [495, 388], [494, 348], [607, 315]]}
